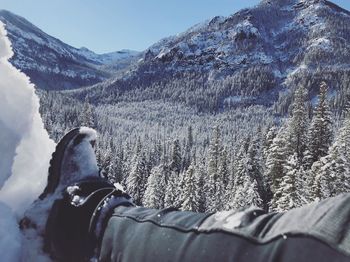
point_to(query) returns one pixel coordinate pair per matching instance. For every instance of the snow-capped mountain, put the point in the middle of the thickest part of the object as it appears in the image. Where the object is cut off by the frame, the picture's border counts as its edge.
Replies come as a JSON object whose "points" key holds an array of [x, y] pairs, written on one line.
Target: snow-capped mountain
{"points": [[256, 51], [277, 33], [54, 65]]}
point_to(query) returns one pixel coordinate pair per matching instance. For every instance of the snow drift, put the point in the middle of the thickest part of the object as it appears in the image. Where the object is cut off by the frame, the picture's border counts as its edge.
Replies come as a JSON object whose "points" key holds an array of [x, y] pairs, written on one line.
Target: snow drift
{"points": [[25, 150], [25, 146]]}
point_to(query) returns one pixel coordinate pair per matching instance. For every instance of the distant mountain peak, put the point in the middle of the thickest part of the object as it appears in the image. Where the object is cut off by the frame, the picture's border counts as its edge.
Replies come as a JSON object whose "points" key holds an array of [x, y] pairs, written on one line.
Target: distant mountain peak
{"points": [[257, 51], [52, 64]]}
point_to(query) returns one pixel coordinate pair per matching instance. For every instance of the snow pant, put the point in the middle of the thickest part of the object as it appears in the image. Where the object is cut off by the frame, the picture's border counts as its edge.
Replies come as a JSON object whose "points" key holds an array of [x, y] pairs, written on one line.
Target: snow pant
{"points": [[106, 225], [318, 232]]}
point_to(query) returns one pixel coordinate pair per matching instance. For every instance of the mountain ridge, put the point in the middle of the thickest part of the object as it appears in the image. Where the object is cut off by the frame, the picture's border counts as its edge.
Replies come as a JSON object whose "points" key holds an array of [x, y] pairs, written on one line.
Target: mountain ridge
{"points": [[44, 57], [262, 52], [257, 55]]}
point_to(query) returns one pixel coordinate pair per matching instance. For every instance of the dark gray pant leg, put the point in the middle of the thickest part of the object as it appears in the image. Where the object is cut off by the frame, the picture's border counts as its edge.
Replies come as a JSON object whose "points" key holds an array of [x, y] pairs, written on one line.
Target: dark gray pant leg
{"points": [[319, 232]]}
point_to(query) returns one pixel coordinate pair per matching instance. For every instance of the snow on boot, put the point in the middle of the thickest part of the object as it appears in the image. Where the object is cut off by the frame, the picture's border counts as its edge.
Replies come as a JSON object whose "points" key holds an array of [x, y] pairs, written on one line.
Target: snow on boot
{"points": [[73, 160]]}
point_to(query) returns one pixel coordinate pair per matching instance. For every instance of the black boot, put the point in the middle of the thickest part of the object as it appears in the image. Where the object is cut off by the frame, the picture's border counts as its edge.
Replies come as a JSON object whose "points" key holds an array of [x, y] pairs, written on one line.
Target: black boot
{"points": [[69, 213]]}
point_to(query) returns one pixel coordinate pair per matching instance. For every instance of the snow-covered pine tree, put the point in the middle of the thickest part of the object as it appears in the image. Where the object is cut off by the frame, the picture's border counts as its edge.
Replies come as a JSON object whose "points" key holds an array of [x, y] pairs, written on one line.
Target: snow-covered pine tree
{"points": [[288, 195], [314, 177], [230, 189], [176, 158], [221, 181], [119, 160], [212, 185], [276, 157], [108, 165], [245, 186], [190, 198], [171, 192], [331, 174], [298, 124], [87, 117], [247, 195], [155, 153], [180, 185], [223, 168], [188, 148], [320, 132], [341, 154], [136, 181], [255, 170], [200, 176], [240, 171], [155, 190], [271, 134]]}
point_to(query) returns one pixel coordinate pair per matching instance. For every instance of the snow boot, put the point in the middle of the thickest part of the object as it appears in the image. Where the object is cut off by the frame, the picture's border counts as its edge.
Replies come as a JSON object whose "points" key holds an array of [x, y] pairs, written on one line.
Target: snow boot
{"points": [[72, 211], [73, 159]]}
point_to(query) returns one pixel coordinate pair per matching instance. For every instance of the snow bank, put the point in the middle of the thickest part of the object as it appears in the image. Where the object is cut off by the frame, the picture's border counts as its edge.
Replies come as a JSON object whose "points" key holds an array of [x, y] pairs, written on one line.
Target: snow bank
{"points": [[10, 240], [25, 147], [25, 150]]}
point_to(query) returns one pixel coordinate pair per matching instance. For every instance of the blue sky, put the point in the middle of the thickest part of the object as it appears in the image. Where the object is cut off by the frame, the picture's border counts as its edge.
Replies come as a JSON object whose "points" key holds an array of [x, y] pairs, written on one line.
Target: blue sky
{"points": [[110, 25]]}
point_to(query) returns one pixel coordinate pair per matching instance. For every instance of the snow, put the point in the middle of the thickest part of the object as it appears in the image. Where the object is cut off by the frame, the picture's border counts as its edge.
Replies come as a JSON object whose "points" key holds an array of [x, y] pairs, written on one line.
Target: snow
{"points": [[91, 134], [230, 219], [262, 57], [25, 150], [26, 147], [71, 190], [321, 43], [118, 186], [238, 99], [81, 161], [163, 53], [246, 27], [107, 58], [10, 240]]}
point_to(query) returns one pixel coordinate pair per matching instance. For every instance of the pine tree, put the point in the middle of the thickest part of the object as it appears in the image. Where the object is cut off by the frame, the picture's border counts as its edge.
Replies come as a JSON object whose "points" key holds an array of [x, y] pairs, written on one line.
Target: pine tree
{"points": [[155, 190], [255, 170], [200, 176], [87, 117], [320, 133], [176, 158], [119, 160], [288, 195], [230, 190], [297, 124], [240, 172], [315, 176], [156, 153], [180, 185], [276, 157], [271, 134], [330, 175], [247, 195], [109, 166], [223, 172], [136, 181], [190, 197], [188, 148], [171, 192], [214, 189], [245, 192]]}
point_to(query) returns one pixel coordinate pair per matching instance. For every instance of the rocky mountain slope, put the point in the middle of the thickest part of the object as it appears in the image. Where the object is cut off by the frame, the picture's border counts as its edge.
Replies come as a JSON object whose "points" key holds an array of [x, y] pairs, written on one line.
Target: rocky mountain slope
{"points": [[54, 65], [252, 56]]}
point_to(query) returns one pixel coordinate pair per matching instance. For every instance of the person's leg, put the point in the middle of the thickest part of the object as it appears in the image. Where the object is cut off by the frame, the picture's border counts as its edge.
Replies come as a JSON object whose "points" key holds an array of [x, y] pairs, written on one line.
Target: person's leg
{"points": [[319, 232], [90, 217]]}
